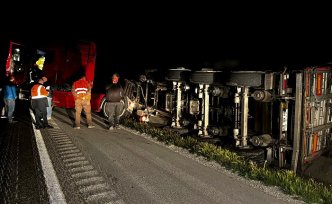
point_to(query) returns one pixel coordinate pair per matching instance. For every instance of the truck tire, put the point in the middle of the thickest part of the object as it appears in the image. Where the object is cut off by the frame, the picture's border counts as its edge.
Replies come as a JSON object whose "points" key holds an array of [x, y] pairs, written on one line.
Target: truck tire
{"points": [[245, 78], [125, 113], [206, 77], [256, 155], [105, 108], [180, 74]]}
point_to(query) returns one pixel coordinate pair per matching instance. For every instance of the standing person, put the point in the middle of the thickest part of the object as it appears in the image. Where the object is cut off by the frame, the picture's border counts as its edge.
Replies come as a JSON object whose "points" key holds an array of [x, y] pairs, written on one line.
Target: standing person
{"points": [[39, 103], [47, 85], [9, 97], [81, 90], [2, 102], [115, 96]]}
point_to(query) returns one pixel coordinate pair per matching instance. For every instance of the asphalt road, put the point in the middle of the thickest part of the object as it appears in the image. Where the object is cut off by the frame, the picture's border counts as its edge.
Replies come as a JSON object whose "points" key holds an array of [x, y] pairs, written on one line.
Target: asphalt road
{"points": [[21, 175], [119, 166]]}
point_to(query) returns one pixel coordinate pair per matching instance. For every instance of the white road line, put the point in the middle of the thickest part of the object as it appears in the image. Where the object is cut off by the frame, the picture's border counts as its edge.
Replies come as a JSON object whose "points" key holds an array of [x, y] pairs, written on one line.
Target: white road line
{"points": [[74, 159], [81, 169], [69, 151], [90, 173], [90, 180], [54, 190], [72, 155], [78, 163]]}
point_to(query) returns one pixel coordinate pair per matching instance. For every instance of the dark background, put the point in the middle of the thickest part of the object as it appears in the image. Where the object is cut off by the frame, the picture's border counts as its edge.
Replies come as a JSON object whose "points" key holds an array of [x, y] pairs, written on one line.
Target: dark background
{"points": [[134, 37]]}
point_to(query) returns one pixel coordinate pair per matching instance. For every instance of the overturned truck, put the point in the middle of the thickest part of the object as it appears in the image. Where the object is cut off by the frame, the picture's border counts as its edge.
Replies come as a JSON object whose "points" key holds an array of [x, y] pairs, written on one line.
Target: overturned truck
{"points": [[281, 117]]}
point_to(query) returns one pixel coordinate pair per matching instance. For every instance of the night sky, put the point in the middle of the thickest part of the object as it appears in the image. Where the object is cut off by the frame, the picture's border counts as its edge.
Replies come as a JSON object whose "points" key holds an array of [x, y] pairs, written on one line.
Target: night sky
{"points": [[173, 37]]}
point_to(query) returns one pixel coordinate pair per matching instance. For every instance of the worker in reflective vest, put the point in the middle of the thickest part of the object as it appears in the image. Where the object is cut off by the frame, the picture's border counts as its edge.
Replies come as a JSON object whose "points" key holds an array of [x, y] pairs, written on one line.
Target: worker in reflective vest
{"points": [[39, 104], [81, 90]]}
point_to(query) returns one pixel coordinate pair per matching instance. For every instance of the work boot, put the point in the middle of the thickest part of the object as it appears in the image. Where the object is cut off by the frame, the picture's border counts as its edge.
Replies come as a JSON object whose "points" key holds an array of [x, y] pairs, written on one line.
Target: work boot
{"points": [[48, 126], [39, 127]]}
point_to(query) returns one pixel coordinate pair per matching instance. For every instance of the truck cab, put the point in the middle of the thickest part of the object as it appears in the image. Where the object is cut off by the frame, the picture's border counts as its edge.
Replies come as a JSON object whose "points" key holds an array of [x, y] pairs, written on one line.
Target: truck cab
{"points": [[61, 62]]}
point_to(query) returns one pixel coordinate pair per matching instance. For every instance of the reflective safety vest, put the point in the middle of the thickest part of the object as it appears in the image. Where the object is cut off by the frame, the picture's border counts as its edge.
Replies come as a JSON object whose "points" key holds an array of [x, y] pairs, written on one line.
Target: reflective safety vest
{"points": [[38, 91], [81, 88]]}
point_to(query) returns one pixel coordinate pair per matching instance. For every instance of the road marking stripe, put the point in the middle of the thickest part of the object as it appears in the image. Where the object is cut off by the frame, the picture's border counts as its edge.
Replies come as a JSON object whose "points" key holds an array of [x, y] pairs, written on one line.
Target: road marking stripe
{"points": [[57, 133], [77, 163], [81, 168], [60, 149], [70, 151], [116, 202], [61, 139], [94, 187], [86, 173], [54, 190], [74, 159], [72, 155], [91, 179], [110, 194], [63, 145]]}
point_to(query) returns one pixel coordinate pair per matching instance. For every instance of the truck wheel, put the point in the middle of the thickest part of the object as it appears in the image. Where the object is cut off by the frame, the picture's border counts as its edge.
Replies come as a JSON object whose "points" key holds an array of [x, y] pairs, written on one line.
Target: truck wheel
{"points": [[105, 108], [245, 78], [179, 74], [206, 77], [256, 155], [125, 112]]}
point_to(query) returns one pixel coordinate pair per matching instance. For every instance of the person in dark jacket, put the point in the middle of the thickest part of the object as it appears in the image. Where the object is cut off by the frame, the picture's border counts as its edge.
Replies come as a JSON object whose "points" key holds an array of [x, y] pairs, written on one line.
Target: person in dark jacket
{"points": [[115, 96], [2, 102]]}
